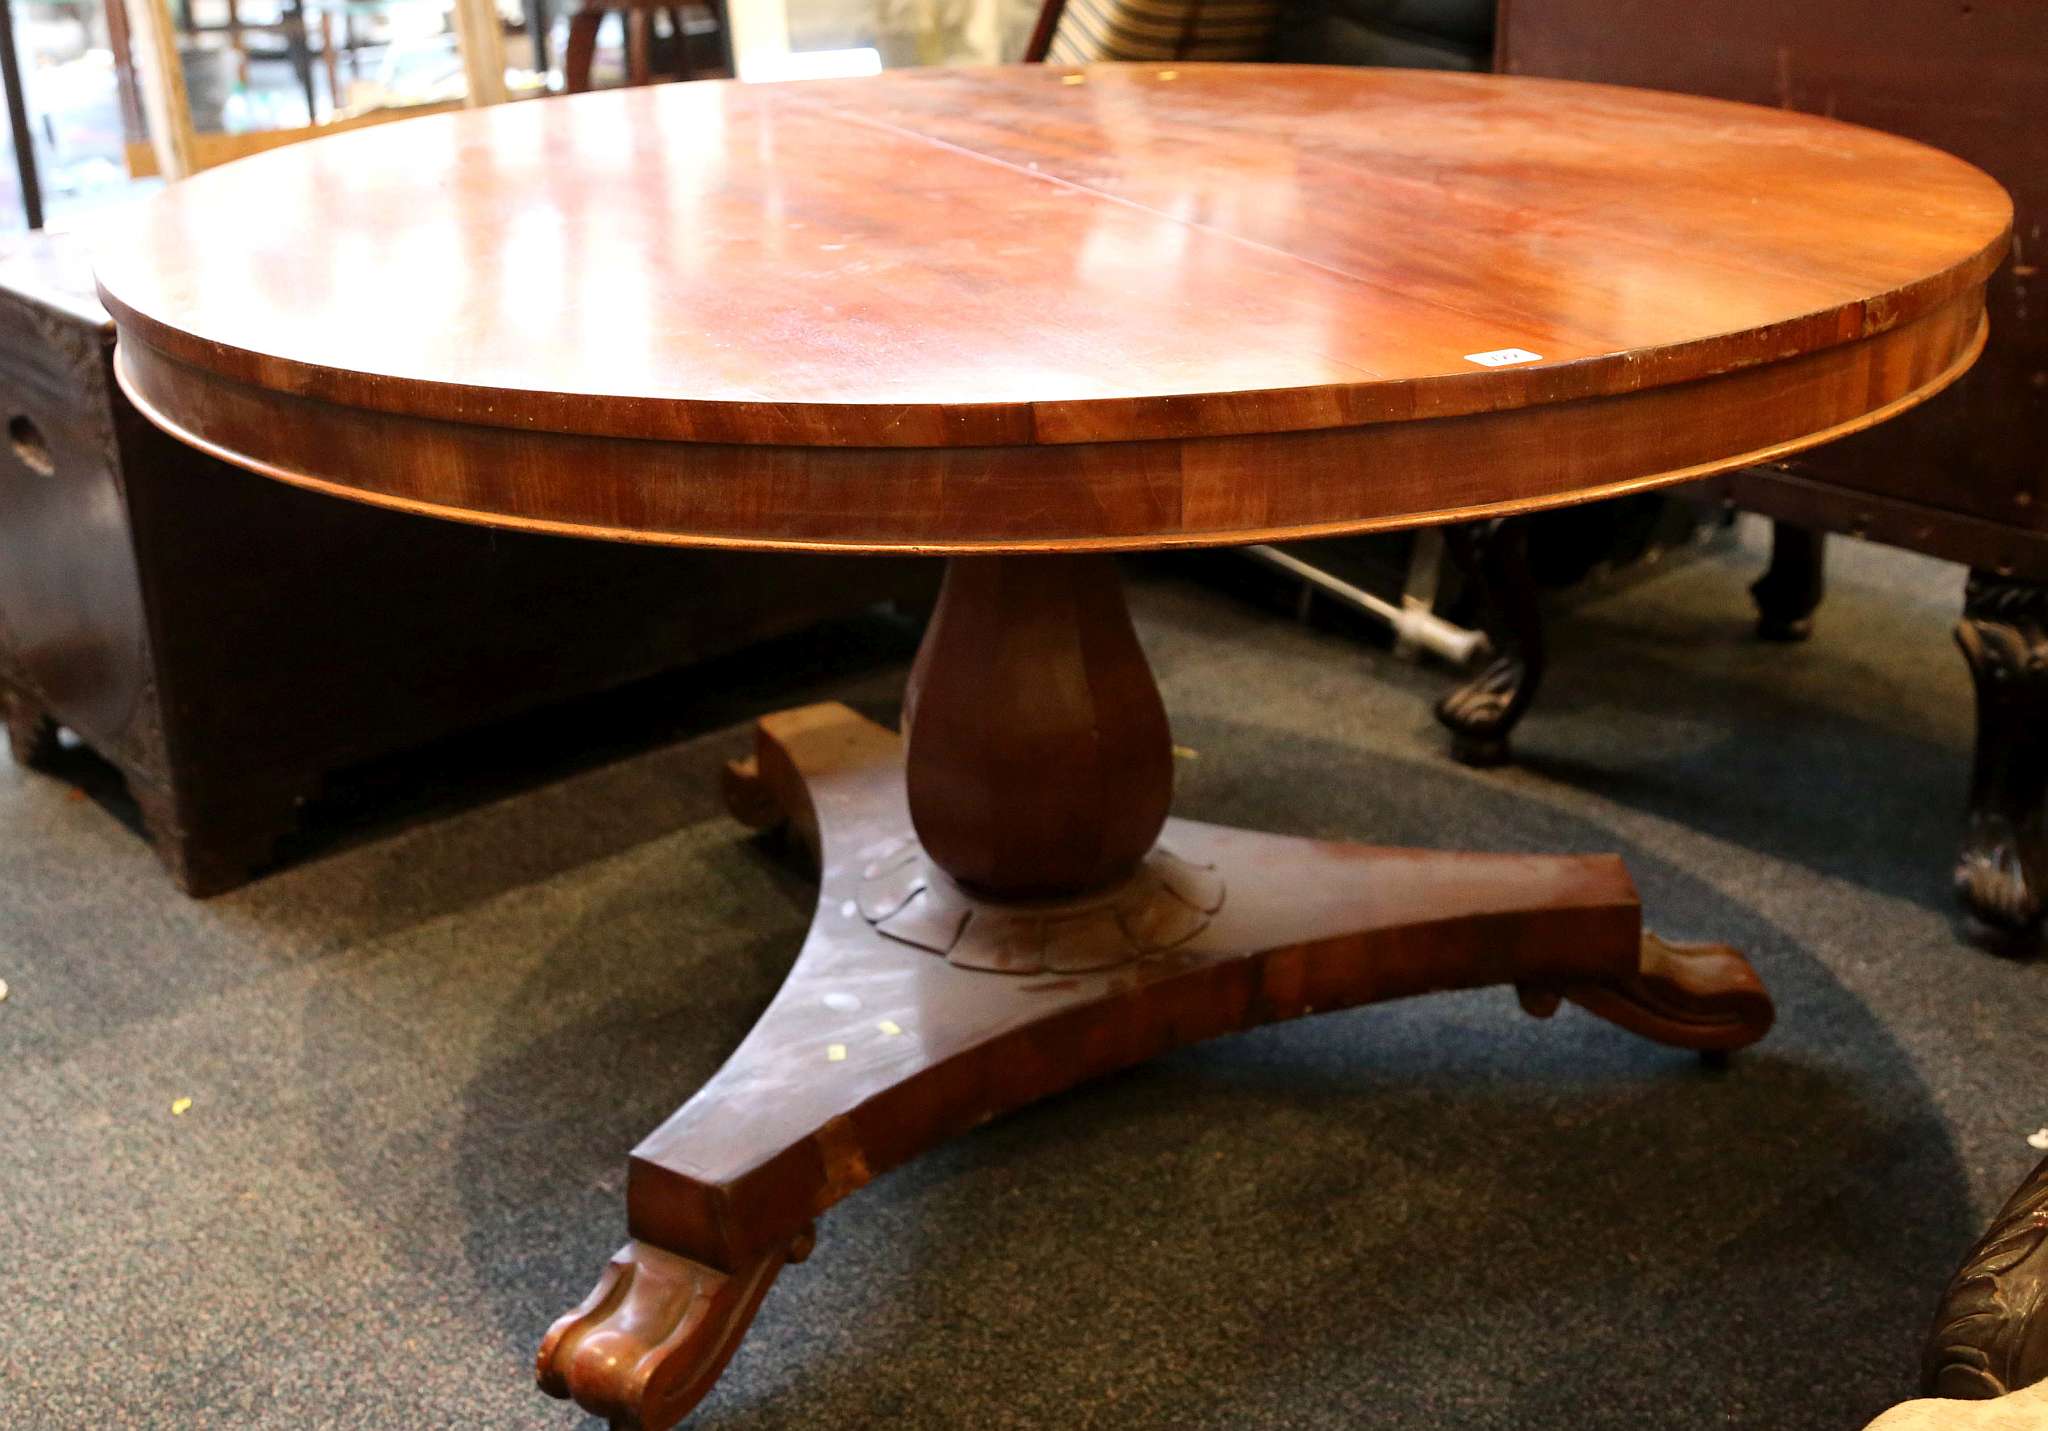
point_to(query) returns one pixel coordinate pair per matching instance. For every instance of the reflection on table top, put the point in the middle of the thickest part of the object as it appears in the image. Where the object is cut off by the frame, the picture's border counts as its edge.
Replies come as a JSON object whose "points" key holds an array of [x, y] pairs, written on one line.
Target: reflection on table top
{"points": [[1026, 243]]}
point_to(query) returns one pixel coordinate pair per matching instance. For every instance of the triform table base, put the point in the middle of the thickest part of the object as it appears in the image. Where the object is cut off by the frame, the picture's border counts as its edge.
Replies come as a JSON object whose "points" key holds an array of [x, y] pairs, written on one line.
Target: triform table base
{"points": [[918, 1010]]}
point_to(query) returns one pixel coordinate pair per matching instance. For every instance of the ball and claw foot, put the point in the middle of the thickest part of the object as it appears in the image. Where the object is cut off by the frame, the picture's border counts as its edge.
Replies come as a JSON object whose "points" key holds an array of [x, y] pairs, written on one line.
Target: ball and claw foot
{"points": [[1990, 1335], [2001, 874], [1483, 712], [1478, 713]]}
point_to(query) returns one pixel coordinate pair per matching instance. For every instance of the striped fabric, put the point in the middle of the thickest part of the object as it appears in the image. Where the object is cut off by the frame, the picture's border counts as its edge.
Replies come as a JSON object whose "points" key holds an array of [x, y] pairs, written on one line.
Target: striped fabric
{"points": [[1091, 30]]}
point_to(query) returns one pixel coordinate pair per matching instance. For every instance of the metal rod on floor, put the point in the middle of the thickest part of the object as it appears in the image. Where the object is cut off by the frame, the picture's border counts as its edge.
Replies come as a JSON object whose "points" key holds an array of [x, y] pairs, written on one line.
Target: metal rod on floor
{"points": [[1413, 624], [17, 120], [1418, 593]]}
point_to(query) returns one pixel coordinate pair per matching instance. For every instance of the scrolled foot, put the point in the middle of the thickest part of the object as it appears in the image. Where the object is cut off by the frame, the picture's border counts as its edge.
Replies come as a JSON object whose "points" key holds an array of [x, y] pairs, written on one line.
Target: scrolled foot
{"points": [[1704, 997], [1991, 1333], [650, 1342], [1482, 713]]}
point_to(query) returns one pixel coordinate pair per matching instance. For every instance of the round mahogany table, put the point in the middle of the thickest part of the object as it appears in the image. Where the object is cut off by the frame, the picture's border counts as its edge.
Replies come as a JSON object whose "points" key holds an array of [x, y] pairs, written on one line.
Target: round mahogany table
{"points": [[1022, 318]]}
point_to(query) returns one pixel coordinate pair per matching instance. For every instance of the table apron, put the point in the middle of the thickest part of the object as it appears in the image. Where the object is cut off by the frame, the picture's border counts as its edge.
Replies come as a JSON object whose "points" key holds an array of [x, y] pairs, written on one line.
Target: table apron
{"points": [[1108, 496]]}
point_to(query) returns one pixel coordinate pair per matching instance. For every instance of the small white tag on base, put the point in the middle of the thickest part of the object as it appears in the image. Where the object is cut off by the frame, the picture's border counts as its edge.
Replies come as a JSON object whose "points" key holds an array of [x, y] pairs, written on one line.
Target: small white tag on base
{"points": [[1504, 357]]}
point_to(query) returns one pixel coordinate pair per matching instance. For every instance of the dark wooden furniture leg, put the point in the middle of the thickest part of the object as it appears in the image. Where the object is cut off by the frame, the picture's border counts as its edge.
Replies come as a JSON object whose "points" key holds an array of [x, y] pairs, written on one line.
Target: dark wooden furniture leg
{"points": [[582, 49], [212, 851], [639, 41], [206, 851], [2002, 874], [1791, 587], [1005, 911], [1483, 712], [31, 730], [1991, 1335], [330, 62]]}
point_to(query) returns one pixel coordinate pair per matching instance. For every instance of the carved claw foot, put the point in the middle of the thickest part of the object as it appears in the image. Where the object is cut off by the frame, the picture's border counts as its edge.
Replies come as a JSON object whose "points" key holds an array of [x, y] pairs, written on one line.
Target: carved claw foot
{"points": [[1993, 878], [1704, 997], [1991, 1334], [31, 733], [1790, 590], [647, 1345], [1482, 713], [2002, 873]]}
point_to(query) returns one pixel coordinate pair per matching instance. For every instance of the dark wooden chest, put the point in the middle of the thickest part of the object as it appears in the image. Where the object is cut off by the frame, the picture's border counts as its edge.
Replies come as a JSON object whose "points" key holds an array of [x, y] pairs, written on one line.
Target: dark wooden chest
{"points": [[227, 641]]}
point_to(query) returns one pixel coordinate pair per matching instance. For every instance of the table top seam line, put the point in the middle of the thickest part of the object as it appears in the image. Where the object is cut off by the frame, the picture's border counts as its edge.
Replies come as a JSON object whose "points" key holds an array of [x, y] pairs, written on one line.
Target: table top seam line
{"points": [[1061, 181]]}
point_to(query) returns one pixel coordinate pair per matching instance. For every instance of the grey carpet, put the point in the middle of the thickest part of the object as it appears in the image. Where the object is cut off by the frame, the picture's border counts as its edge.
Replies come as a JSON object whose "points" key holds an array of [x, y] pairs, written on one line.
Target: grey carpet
{"points": [[417, 1056]]}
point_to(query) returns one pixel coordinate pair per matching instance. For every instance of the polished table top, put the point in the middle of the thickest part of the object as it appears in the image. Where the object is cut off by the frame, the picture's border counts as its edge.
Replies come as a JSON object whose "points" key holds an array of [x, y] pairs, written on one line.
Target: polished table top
{"points": [[1114, 270]]}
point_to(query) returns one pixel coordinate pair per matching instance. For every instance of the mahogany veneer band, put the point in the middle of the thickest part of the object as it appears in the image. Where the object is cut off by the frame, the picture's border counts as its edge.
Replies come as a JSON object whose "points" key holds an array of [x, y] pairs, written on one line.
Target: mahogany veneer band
{"points": [[1054, 422], [1102, 496]]}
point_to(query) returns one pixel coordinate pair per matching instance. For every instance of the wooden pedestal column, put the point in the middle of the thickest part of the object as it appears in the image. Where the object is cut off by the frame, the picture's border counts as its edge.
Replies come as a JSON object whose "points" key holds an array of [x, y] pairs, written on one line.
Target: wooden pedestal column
{"points": [[1037, 757]]}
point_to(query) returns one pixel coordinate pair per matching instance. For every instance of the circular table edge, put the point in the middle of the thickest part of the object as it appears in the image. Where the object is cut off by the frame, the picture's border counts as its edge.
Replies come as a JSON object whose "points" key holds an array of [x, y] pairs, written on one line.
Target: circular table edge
{"points": [[1058, 422], [1101, 418], [1144, 494]]}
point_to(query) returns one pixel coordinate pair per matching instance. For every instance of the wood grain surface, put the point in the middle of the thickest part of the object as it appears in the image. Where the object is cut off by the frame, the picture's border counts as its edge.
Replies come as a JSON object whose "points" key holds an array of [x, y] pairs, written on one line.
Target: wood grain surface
{"points": [[930, 272], [1933, 70]]}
